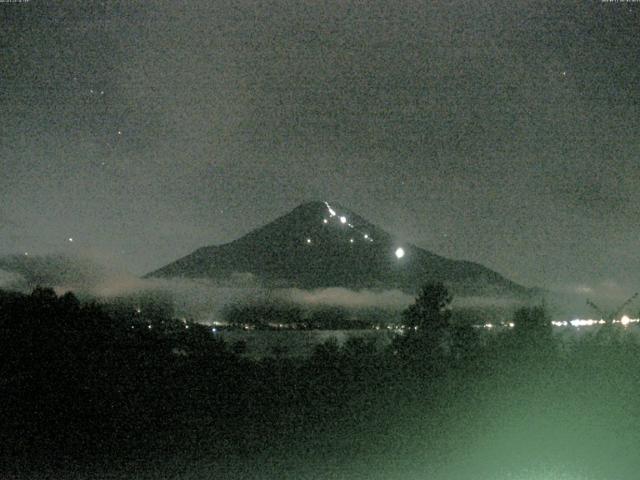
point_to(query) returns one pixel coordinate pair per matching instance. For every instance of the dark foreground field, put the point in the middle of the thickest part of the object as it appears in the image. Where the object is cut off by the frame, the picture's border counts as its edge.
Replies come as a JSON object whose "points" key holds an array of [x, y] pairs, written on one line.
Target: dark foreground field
{"points": [[86, 395]]}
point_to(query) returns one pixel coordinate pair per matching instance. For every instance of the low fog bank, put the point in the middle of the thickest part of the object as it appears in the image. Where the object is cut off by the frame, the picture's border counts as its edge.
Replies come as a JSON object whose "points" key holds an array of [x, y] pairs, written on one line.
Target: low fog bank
{"points": [[565, 303], [207, 301]]}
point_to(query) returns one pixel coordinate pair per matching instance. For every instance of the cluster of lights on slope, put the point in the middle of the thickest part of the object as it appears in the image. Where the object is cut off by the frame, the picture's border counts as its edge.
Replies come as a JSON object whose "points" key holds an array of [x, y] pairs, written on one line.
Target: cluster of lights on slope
{"points": [[343, 221], [399, 253]]}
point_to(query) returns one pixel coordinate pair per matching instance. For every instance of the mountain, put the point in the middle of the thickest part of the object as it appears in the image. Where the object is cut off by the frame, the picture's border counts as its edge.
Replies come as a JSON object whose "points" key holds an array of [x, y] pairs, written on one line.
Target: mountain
{"points": [[325, 245]]}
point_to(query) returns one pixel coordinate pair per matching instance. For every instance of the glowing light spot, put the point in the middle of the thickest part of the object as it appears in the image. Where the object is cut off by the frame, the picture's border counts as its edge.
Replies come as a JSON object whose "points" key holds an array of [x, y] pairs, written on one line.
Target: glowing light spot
{"points": [[351, 240], [343, 219], [366, 237], [400, 252], [26, 254], [331, 211], [325, 221], [308, 240], [625, 320], [119, 132], [70, 239], [578, 322]]}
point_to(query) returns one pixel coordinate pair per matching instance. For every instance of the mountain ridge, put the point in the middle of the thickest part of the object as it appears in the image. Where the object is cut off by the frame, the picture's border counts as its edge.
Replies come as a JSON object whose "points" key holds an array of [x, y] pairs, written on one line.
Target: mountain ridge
{"points": [[318, 244]]}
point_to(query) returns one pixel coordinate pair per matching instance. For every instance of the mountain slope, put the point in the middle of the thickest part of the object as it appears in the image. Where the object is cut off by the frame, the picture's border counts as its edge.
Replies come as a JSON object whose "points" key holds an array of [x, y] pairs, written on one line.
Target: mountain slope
{"points": [[322, 245]]}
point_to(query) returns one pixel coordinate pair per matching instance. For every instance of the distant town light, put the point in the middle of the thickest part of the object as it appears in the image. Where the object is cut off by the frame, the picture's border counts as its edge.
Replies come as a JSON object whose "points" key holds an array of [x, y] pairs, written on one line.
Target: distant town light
{"points": [[343, 219], [308, 240], [400, 252], [325, 220]]}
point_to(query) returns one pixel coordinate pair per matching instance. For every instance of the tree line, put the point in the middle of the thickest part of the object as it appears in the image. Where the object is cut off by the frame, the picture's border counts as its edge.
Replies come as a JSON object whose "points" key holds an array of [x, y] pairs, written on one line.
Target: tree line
{"points": [[79, 379]]}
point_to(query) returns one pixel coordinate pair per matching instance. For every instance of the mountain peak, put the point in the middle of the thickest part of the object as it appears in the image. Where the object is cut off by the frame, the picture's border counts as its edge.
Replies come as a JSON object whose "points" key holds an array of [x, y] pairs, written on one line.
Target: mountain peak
{"points": [[323, 244], [324, 208]]}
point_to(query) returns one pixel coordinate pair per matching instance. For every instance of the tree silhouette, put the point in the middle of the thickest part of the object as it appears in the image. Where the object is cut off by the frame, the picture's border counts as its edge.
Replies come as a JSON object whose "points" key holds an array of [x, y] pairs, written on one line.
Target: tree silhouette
{"points": [[532, 329], [428, 324], [429, 313], [532, 322]]}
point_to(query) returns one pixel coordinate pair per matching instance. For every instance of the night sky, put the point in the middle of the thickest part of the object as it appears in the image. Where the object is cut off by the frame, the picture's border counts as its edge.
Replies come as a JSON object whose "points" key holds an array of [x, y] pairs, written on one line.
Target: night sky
{"points": [[506, 133]]}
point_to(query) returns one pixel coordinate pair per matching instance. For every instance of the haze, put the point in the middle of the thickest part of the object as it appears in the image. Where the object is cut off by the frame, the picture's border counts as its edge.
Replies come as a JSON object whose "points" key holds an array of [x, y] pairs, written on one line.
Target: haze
{"points": [[503, 133]]}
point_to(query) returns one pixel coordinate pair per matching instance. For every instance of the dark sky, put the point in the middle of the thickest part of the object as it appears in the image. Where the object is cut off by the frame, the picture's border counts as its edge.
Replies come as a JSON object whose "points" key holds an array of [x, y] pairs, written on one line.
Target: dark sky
{"points": [[507, 133]]}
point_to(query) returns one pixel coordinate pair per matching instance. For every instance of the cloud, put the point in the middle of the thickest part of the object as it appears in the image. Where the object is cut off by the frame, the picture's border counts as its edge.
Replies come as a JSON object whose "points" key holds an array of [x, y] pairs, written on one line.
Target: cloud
{"points": [[485, 302], [93, 274], [382, 299], [605, 290], [5, 222], [203, 300], [569, 301], [54, 270], [12, 280], [342, 297]]}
